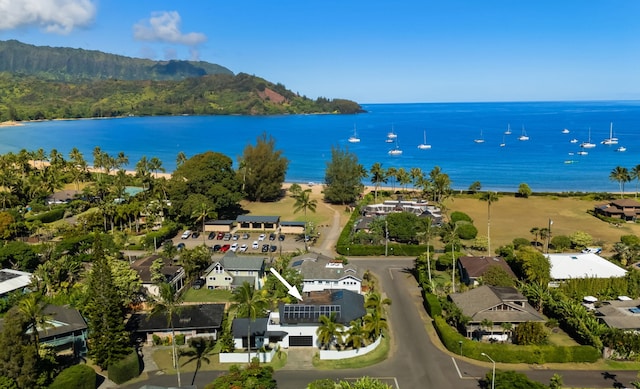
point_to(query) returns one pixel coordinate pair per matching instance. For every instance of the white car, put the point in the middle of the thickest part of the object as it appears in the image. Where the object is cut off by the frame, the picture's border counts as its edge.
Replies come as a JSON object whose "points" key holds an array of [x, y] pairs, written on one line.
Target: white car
{"points": [[243, 248], [233, 247], [255, 244], [261, 237], [186, 234]]}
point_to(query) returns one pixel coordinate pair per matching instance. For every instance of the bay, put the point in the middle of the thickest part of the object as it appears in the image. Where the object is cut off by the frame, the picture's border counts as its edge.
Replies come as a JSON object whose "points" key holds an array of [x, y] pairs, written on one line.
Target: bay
{"points": [[546, 162]]}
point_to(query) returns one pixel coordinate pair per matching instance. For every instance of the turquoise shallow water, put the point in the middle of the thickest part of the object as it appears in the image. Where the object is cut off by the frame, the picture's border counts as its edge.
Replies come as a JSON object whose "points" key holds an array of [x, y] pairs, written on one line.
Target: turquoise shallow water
{"points": [[542, 162]]}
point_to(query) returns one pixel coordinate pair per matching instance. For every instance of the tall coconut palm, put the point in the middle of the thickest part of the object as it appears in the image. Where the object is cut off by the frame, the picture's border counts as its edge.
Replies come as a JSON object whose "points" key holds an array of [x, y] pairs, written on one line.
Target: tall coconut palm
{"points": [[31, 307], [200, 350], [248, 303], [403, 177], [535, 231], [304, 202], [489, 197], [621, 175], [169, 304], [378, 177], [416, 175], [426, 231], [201, 213], [635, 175], [181, 158], [329, 331]]}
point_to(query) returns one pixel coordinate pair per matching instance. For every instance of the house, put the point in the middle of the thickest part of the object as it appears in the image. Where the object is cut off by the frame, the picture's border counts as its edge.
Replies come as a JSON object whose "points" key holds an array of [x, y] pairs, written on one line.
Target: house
{"points": [[473, 268], [13, 280], [296, 324], [419, 208], [198, 320], [623, 314], [497, 305], [624, 209], [66, 330], [260, 334], [320, 272], [258, 223], [566, 266], [63, 197], [233, 270], [173, 274]]}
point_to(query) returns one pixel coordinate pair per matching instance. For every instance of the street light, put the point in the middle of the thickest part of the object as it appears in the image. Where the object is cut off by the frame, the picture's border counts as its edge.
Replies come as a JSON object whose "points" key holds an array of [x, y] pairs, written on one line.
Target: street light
{"points": [[493, 380], [460, 342]]}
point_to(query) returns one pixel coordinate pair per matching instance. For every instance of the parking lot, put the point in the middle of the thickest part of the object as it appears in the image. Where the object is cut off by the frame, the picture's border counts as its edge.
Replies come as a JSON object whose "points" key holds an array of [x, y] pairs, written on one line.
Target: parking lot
{"points": [[242, 242]]}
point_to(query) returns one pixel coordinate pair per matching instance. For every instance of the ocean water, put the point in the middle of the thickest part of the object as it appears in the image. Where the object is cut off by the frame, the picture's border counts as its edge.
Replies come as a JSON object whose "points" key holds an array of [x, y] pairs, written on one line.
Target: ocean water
{"points": [[546, 162]]}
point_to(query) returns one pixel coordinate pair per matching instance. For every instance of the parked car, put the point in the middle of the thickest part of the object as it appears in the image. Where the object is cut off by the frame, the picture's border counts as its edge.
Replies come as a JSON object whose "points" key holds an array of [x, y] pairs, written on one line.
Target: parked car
{"points": [[261, 237], [235, 237], [272, 236], [195, 234], [220, 235], [592, 250], [186, 234], [265, 248], [243, 248], [180, 246], [245, 236], [212, 235], [227, 236], [197, 284], [233, 247], [216, 248], [273, 248], [255, 244], [225, 248], [281, 237]]}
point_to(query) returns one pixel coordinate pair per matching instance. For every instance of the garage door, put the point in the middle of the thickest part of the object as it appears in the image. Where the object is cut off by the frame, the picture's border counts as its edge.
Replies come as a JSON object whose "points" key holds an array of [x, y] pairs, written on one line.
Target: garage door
{"points": [[300, 341]]}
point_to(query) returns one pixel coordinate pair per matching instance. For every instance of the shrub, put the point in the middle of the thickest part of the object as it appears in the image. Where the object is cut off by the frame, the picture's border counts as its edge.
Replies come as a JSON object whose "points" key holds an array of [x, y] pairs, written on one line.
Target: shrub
{"points": [[561, 242], [467, 231], [75, 377], [519, 242], [458, 216], [50, 216], [157, 341], [125, 369], [432, 304], [180, 339]]}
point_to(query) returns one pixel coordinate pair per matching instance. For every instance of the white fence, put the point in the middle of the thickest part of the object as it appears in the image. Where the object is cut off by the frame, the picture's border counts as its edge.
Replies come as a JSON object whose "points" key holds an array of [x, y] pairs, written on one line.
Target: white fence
{"points": [[244, 358], [333, 354]]}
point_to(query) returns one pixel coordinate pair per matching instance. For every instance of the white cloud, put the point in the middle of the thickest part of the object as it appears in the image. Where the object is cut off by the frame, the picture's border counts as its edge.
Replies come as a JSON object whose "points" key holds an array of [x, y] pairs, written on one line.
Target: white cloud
{"points": [[55, 16], [165, 27]]}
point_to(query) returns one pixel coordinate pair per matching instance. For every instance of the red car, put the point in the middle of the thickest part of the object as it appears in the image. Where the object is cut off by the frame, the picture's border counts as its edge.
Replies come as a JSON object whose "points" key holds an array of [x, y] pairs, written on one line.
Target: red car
{"points": [[225, 248], [220, 235]]}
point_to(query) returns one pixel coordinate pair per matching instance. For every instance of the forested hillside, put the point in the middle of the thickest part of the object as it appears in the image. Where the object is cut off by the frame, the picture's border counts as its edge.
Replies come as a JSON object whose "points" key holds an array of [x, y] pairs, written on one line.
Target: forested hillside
{"points": [[66, 64], [39, 83]]}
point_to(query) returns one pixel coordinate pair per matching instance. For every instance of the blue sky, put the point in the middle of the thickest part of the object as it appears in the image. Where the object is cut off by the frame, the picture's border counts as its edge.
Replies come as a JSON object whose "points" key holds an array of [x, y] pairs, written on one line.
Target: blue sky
{"points": [[370, 51]]}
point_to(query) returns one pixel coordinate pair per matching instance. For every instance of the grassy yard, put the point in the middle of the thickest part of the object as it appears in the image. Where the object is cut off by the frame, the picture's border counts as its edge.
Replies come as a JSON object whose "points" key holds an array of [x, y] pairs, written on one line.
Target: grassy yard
{"points": [[205, 295], [162, 357], [376, 356]]}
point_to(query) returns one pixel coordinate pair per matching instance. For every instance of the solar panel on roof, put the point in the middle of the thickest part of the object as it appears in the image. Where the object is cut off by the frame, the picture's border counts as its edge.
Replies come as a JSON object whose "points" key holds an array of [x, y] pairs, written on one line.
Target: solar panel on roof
{"points": [[308, 313]]}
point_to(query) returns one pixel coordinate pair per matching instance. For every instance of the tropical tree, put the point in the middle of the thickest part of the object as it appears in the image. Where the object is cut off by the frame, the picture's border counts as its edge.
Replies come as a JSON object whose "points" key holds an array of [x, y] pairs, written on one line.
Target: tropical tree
{"points": [[169, 305], [489, 197], [621, 175], [343, 177], [378, 177], [265, 169], [201, 349], [535, 231], [31, 307], [181, 158], [250, 304], [356, 334], [475, 187], [403, 177], [376, 303], [426, 231], [440, 184], [203, 212], [375, 324], [304, 202], [329, 331], [416, 175], [524, 190], [635, 175]]}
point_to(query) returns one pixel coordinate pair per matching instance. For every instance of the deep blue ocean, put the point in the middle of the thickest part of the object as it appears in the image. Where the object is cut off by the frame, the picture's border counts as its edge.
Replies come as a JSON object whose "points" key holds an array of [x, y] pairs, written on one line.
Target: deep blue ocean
{"points": [[548, 161]]}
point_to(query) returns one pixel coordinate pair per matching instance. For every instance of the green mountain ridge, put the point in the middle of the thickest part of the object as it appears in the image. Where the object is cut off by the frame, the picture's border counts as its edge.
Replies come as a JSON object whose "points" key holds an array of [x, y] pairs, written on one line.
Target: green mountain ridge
{"points": [[42, 83], [67, 64]]}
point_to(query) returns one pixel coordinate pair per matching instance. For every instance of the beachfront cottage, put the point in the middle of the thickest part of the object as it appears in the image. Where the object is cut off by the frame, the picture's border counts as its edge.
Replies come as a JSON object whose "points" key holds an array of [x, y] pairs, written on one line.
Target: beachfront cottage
{"points": [[495, 305], [473, 268], [624, 209], [320, 272], [233, 270]]}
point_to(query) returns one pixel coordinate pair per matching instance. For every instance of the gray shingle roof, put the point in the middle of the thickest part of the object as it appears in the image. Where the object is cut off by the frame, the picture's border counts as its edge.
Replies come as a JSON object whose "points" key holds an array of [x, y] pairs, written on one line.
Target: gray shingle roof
{"points": [[233, 261], [197, 316], [313, 266], [257, 219]]}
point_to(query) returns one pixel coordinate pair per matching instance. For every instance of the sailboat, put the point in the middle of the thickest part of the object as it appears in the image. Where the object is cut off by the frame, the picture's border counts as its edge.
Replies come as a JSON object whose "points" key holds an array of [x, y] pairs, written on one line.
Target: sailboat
{"points": [[588, 144], [397, 150], [524, 135], [391, 134], [354, 138], [610, 140], [621, 149], [424, 145], [508, 132], [502, 144], [479, 140], [565, 131]]}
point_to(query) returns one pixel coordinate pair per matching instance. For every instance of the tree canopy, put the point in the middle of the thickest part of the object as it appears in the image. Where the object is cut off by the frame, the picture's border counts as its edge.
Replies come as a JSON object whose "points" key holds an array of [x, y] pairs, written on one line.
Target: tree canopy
{"points": [[343, 177], [263, 169]]}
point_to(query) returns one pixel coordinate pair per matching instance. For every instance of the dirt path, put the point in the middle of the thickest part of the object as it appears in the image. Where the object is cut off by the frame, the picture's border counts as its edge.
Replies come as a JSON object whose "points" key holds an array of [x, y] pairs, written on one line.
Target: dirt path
{"points": [[328, 243]]}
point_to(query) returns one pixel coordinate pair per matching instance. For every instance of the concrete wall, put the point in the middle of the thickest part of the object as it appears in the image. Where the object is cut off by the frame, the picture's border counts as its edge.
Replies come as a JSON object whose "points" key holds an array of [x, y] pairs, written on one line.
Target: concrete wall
{"points": [[244, 357], [333, 354]]}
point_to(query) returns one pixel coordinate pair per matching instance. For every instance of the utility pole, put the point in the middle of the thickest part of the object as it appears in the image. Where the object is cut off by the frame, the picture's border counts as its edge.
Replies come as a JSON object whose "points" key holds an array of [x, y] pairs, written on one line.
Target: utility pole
{"points": [[386, 238]]}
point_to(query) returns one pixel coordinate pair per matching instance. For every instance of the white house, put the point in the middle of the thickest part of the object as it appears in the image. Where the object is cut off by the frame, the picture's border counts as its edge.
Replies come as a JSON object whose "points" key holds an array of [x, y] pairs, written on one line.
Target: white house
{"points": [[581, 265], [320, 272], [13, 280]]}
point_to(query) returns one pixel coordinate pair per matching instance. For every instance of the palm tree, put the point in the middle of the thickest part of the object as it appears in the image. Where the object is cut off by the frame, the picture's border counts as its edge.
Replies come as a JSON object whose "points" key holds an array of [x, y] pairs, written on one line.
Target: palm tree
{"points": [[31, 307], [487, 324], [378, 176], [169, 304], [329, 331], [181, 158], [200, 350], [375, 324], [375, 302], [416, 175], [391, 173], [250, 304], [155, 164], [489, 197], [635, 174], [356, 334], [535, 231], [403, 177], [201, 213], [621, 175], [304, 202], [426, 232]]}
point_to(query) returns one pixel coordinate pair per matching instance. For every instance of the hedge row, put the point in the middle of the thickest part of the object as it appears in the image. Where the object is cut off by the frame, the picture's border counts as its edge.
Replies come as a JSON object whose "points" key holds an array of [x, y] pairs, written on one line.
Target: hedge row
{"points": [[509, 353], [125, 369], [432, 304], [75, 377], [49, 216]]}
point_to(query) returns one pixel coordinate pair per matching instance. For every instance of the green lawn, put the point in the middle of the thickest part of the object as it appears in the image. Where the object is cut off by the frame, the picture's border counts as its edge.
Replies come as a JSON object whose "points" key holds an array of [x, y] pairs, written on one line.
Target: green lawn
{"points": [[376, 356], [204, 295]]}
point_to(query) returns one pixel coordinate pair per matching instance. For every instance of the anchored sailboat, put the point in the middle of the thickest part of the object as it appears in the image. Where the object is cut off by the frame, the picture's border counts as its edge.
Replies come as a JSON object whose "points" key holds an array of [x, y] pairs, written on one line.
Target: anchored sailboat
{"points": [[354, 138], [424, 145], [610, 140]]}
